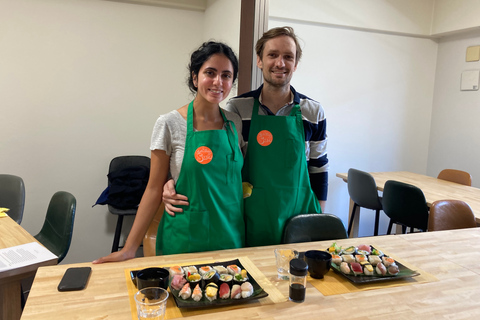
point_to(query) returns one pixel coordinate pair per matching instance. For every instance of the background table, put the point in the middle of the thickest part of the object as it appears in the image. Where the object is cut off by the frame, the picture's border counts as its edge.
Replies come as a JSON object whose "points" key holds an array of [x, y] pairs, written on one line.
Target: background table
{"points": [[434, 189], [12, 234], [447, 255]]}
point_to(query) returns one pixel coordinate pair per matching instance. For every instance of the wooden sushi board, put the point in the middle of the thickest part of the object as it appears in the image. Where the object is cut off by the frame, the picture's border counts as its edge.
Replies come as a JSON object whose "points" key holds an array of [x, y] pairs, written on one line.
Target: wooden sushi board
{"points": [[172, 312]]}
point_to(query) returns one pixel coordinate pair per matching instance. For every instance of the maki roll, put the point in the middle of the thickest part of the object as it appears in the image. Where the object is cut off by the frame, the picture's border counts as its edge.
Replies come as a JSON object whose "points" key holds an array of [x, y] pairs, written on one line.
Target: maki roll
{"points": [[194, 279], [344, 268], [220, 269], [209, 277], [241, 277], [336, 259], [178, 282], [380, 269], [175, 270], [349, 258], [226, 278], [233, 269], [247, 289], [334, 249], [190, 270], [349, 250], [205, 269], [197, 293], [186, 292], [356, 268], [211, 291], [368, 270], [374, 260], [236, 292], [224, 292]]}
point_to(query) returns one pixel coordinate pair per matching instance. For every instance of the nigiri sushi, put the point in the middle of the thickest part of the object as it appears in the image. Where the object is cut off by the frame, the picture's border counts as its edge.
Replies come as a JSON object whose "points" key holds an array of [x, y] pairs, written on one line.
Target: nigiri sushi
{"points": [[336, 259], [387, 261], [368, 270], [178, 281], [205, 269], [236, 292], [197, 293], [211, 291], [360, 257], [247, 289], [356, 268], [224, 291], [349, 258], [365, 247], [393, 270], [344, 268], [374, 260], [175, 270], [186, 292], [233, 269], [190, 270], [220, 269], [380, 269]]}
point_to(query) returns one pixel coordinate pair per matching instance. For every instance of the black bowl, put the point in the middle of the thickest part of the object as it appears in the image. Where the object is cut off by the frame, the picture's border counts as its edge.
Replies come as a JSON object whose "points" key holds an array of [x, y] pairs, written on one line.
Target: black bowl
{"points": [[319, 262], [152, 277]]}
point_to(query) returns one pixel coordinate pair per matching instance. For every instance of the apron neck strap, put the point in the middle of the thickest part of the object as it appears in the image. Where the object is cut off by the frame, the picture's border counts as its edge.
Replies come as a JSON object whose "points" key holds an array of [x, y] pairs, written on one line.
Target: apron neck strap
{"points": [[190, 117], [256, 105]]}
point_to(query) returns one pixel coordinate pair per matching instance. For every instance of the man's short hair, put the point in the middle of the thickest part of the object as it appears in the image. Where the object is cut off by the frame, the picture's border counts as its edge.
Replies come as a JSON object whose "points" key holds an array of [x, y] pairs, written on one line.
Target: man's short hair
{"points": [[277, 32]]}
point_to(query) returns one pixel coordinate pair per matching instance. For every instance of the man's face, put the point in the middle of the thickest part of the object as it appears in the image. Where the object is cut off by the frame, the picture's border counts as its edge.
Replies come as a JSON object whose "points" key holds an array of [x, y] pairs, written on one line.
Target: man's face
{"points": [[278, 62]]}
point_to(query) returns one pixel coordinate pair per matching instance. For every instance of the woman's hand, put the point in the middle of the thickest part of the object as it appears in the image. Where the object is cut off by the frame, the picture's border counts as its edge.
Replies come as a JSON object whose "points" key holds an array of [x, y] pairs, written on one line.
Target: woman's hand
{"points": [[115, 257], [171, 199]]}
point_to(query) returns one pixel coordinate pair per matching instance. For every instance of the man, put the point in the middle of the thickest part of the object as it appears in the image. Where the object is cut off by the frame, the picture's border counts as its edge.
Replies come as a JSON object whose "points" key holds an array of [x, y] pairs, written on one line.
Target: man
{"points": [[286, 160]]}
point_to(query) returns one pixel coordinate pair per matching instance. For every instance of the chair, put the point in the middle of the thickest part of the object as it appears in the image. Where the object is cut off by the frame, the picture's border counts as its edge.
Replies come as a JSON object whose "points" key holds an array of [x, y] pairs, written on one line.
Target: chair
{"points": [[119, 163], [12, 196], [456, 176], [313, 227], [363, 192], [150, 239], [57, 230], [405, 204], [450, 214]]}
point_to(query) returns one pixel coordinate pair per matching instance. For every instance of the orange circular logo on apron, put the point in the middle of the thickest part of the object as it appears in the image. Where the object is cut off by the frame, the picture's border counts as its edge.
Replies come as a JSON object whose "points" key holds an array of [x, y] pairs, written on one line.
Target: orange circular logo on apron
{"points": [[264, 138], [203, 155]]}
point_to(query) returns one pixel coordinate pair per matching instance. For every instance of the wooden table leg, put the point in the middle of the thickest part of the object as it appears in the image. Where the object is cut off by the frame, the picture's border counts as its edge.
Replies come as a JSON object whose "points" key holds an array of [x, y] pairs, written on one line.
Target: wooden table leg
{"points": [[10, 299]]}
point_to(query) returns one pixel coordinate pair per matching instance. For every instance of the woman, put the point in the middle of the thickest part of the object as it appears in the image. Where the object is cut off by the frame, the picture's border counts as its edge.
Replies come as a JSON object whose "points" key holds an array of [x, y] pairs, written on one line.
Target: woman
{"points": [[199, 145]]}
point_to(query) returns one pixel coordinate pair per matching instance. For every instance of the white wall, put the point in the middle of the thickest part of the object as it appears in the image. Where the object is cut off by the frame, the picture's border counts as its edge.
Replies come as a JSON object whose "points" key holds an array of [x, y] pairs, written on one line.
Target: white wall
{"points": [[455, 130], [81, 82]]}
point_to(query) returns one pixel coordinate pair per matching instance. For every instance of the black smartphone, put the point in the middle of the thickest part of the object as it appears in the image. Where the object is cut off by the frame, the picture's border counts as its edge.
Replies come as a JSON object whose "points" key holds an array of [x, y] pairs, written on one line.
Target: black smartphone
{"points": [[75, 279]]}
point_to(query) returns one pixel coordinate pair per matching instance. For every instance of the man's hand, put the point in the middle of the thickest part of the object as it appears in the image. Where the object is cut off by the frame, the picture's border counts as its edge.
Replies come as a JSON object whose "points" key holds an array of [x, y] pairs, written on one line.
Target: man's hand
{"points": [[171, 199]]}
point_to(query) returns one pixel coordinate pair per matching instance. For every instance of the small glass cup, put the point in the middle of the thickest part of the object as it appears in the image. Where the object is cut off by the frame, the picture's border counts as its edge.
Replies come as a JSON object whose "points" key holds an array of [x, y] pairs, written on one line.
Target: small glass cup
{"points": [[283, 257], [151, 303]]}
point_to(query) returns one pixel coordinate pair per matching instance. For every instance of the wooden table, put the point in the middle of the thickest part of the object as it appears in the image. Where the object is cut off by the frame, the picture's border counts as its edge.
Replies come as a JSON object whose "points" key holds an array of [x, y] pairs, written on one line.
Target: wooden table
{"points": [[12, 234], [447, 255], [434, 189]]}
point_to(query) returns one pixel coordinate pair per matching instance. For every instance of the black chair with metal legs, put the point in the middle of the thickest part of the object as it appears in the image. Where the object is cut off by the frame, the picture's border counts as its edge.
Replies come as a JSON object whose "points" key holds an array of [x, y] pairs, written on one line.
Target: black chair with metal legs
{"points": [[363, 192], [12, 196], [405, 204], [313, 227]]}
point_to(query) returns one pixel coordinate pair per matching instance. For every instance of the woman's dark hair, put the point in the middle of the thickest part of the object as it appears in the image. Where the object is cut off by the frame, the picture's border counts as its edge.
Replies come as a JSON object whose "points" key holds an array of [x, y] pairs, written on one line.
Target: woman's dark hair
{"points": [[203, 53]]}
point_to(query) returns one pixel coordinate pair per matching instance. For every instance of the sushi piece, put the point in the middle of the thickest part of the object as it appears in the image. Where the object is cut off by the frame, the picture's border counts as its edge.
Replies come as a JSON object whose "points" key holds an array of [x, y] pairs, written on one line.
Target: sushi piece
{"points": [[220, 269], [380, 269], [233, 269], [356, 268], [236, 292], [349, 258], [374, 260], [175, 270], [190, 270], [344, 268], [178, 281], [365, 248], [226, 278], [247, 289], [205, 269], [209, 277], [368, 270], [376, 252], [224, 291], [241, 277], [197, 293], [186, 292], [194, 279], [334, 248], [360, 257], [393, 270], [349, 250], [387, 261], [336, 259], [211, 291]]}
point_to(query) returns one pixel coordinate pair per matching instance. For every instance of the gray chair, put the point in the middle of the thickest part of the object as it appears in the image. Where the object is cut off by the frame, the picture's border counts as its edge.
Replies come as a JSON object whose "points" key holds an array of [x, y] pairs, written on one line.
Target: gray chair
{"points": [[12, 195], [57, 230], [120, 163], [405, 204], [313, 227], [363, 192]]}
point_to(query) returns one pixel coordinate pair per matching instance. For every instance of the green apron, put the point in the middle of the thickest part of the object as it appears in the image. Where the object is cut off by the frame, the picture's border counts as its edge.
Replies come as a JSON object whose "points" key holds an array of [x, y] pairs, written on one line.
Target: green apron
{"points": [[211, 179], [276, 167]]}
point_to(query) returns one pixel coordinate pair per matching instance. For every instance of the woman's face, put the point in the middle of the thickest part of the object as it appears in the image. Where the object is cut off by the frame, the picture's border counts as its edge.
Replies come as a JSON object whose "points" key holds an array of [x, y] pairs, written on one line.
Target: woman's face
{"points": [[215, 79]]}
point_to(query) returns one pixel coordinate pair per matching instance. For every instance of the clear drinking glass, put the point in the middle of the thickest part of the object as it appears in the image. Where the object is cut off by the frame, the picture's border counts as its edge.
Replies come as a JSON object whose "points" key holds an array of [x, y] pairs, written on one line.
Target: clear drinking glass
{"points": [[151, 303], [283, 257]]}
